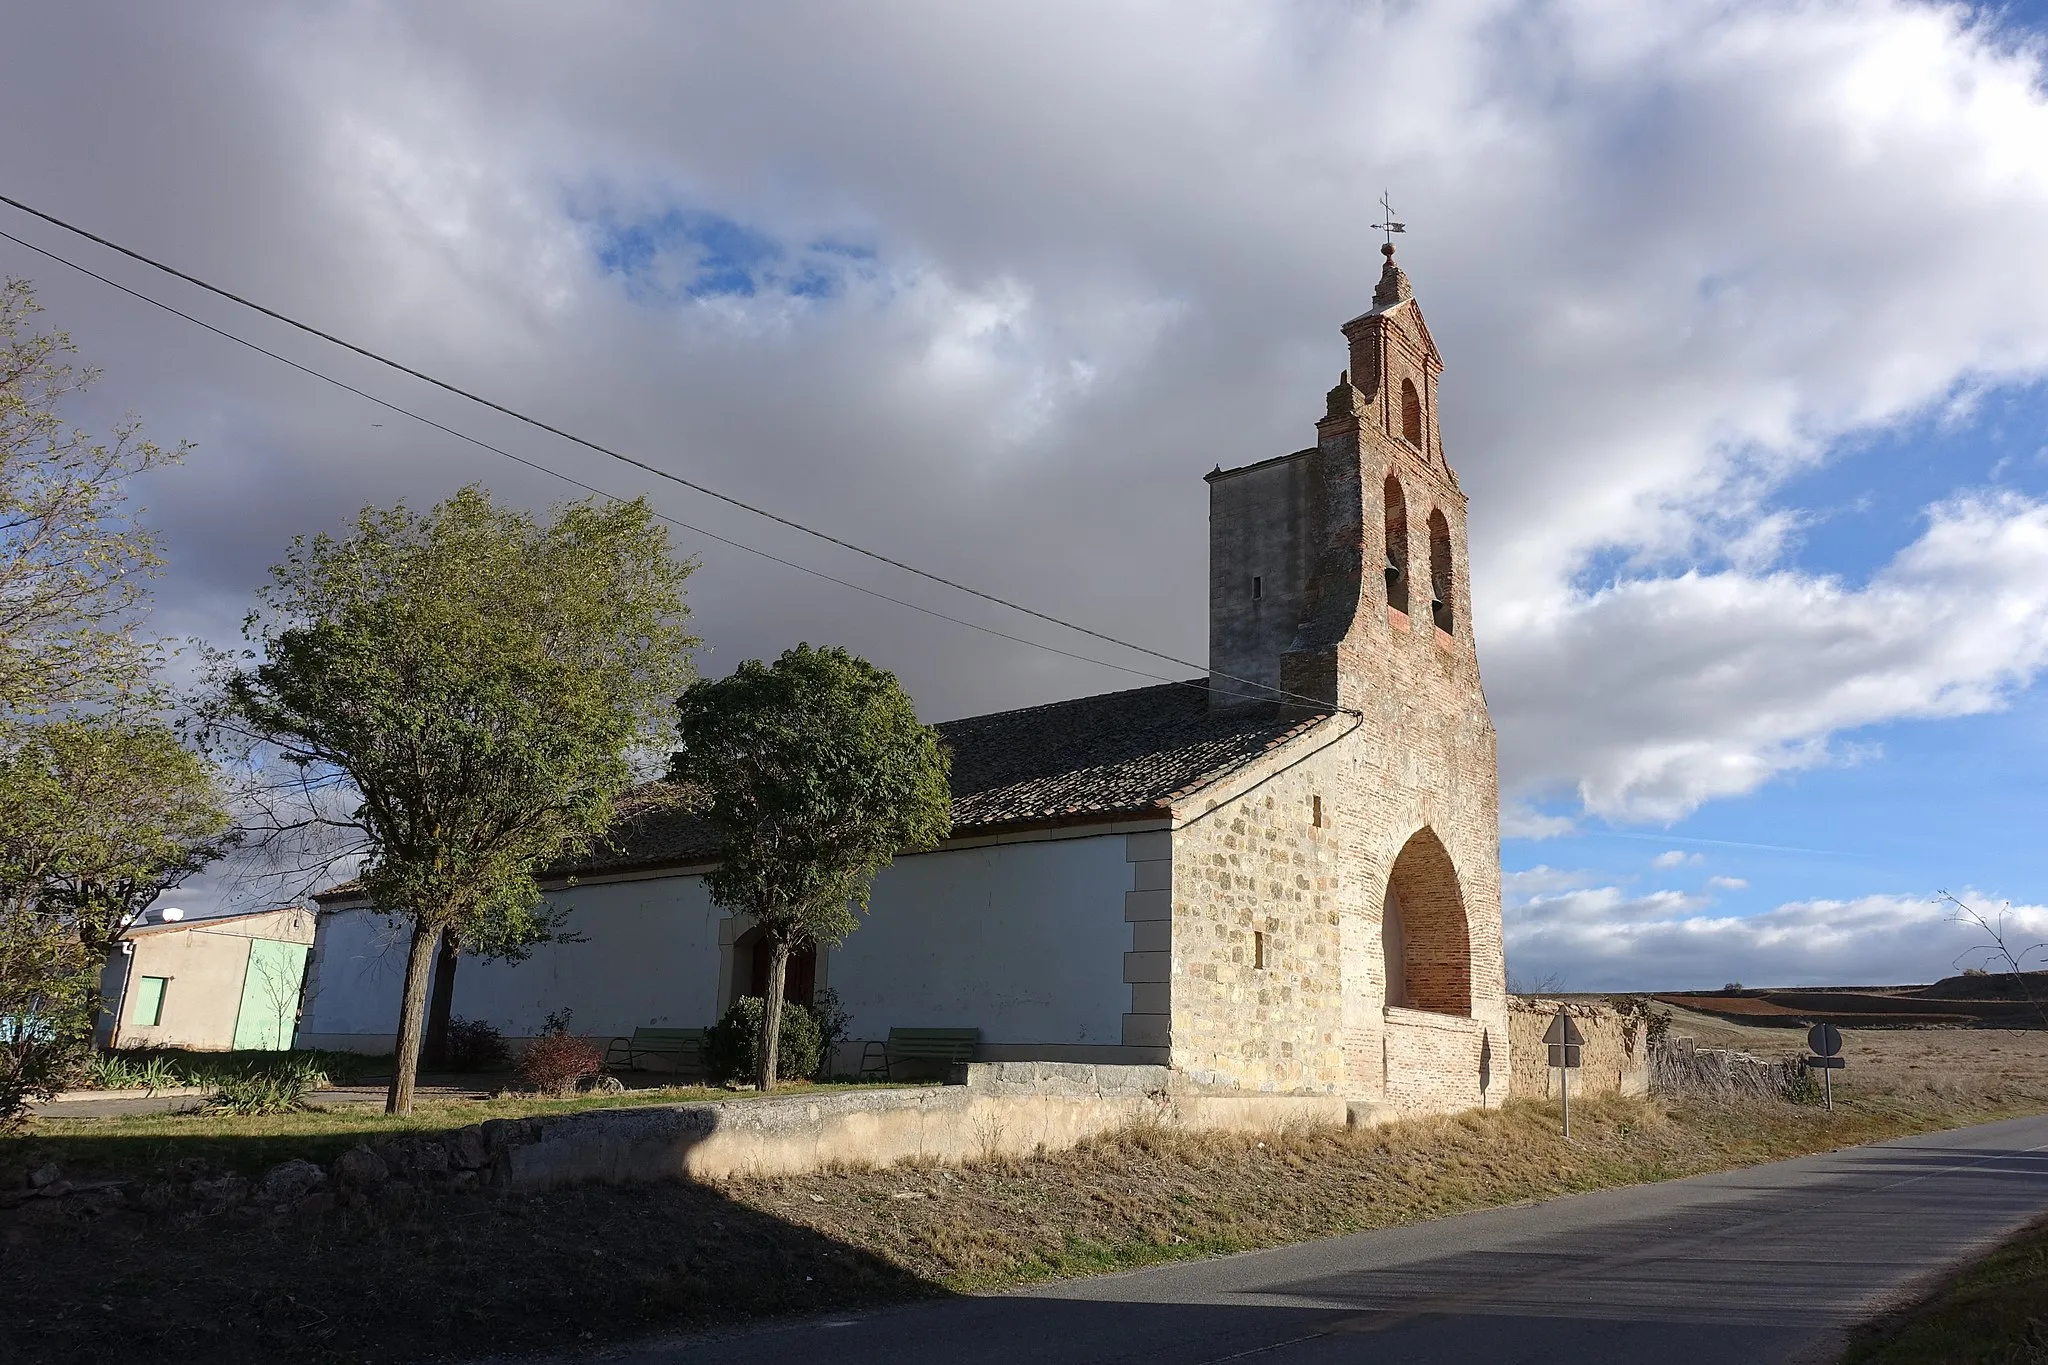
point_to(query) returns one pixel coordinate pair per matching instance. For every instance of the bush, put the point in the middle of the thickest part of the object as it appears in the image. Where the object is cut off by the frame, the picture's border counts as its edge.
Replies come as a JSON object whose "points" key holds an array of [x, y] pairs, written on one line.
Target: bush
{"points": [[474, 1045], [732, 1046], [835, 1025], [276, 1089], [554, 1062], [46, 982]]}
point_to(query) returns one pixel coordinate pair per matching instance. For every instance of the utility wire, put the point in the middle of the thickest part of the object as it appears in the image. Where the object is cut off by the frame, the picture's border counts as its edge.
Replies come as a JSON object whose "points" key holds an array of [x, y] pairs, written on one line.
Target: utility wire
{"points": [[615, 455], [607, 451], [576, 482]]}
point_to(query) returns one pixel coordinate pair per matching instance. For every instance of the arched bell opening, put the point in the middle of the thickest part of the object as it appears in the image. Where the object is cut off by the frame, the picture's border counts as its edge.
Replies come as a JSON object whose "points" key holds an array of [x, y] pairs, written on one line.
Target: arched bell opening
{"points": [[1397, 545], [1424, 933]]}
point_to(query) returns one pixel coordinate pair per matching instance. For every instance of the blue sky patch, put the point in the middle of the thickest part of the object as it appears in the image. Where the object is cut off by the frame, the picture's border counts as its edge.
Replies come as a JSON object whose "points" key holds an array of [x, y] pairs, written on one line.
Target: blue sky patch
{"points": [[683, 254]]}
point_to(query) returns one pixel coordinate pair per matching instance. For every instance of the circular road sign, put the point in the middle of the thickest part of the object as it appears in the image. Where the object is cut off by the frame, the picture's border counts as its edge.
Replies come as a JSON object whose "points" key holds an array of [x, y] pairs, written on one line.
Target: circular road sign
{"points": [[1824, 1039]]}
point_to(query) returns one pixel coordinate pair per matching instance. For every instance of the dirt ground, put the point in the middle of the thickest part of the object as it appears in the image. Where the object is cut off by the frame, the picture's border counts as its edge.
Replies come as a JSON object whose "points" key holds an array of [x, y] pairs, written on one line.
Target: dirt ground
{"points": [[1940, 1060]]}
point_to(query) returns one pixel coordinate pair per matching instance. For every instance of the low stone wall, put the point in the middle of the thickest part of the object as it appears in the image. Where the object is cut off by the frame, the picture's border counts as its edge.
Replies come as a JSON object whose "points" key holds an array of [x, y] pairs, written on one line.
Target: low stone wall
{"points": [[1614, 1060], [1004, 1109]]}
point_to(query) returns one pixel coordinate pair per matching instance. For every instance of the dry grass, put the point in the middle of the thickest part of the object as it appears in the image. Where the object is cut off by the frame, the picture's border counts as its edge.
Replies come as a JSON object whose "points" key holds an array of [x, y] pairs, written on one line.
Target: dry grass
{"points": [[1993, 1313], [1153, 1194], [479, 1274]]}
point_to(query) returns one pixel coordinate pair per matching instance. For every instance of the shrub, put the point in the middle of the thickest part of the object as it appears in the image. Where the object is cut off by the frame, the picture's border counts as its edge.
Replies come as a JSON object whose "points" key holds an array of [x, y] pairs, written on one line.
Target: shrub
{"points": [[141, 1070], [834, 1027], [554, 1062], [732, 1045], [46, 981], [276, 1089], [474, 1045]]}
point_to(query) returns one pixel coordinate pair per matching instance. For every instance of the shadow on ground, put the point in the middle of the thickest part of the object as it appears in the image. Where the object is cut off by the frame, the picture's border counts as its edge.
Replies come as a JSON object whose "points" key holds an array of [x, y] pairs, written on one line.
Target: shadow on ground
{"points": [[453, 1277]]}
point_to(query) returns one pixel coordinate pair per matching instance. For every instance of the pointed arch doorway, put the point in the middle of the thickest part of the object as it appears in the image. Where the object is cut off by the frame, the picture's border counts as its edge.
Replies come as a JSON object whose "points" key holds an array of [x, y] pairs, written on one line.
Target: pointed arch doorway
{"points": [[1425, 937]]}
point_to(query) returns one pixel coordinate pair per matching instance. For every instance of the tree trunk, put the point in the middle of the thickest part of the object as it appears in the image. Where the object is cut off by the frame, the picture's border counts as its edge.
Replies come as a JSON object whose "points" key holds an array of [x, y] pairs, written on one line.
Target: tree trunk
{"points": [[771, 1010], [412, 1007], [442, 1001]]}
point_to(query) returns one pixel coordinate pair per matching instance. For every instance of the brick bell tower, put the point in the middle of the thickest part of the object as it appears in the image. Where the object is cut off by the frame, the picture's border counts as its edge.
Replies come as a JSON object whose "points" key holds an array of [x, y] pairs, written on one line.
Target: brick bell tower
{"points": [[1327, 564], [1338, 581]]}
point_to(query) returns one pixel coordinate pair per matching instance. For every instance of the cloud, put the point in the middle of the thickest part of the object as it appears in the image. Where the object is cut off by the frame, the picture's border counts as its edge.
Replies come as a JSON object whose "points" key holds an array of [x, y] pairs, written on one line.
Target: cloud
{"points": [[1728, 680], [1604, 939], [1727, 884], [998, 317], [1675, 858]]}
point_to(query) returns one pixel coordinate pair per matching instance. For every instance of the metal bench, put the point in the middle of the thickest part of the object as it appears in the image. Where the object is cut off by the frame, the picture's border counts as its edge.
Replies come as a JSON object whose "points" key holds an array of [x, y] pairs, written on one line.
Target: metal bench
{"points": [[683, 1047], [936, 1048]]}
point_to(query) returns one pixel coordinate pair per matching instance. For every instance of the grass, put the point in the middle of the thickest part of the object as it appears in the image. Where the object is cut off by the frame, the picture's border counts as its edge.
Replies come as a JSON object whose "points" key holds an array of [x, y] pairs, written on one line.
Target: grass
{"points": [[574, 1267], [253, 1142], [1994, 1312], [166, 1068]]}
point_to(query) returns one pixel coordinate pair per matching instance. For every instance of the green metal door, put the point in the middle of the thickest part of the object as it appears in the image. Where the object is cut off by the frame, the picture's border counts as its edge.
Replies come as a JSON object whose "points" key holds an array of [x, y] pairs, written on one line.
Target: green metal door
{"points": [[270, 995]]}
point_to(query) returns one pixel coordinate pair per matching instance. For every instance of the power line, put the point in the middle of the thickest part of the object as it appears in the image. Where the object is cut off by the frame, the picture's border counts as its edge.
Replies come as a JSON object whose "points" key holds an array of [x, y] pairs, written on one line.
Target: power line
{"points": [[604, 450], [571, 479]]}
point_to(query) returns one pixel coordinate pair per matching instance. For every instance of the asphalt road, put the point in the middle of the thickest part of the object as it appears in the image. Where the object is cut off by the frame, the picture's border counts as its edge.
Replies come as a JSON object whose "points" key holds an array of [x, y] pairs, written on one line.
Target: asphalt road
{"points": [[1759, 1265]]}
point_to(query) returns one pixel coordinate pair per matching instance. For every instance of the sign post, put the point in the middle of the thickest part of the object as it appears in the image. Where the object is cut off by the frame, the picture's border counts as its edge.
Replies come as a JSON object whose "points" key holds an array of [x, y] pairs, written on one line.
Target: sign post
{"points": [[1826, 1042], [1565, 1043]]}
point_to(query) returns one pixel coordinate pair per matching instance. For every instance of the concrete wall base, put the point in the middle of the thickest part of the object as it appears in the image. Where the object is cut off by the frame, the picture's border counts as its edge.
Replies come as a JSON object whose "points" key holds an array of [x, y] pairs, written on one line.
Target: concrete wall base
{"points": [[1004, 1109]]}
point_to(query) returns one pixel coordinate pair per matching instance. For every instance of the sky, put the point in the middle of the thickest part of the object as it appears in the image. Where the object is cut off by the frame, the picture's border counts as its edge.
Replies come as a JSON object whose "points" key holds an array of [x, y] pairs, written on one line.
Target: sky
{"points": [[1743, 310]]}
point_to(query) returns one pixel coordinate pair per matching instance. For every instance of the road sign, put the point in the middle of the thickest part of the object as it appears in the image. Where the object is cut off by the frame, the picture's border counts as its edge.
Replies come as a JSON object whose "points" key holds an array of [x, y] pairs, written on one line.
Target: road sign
{"points": [[1826, 1042], [1563, 1041]]}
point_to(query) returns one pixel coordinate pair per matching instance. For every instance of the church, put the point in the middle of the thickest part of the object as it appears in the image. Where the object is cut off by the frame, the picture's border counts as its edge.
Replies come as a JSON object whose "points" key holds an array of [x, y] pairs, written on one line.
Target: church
{"points": [[1281, 878]]}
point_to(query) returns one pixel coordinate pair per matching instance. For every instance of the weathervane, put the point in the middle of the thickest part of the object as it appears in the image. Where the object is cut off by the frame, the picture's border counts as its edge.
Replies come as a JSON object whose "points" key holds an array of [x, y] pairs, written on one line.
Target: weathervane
{"points": [[1390, 227]]}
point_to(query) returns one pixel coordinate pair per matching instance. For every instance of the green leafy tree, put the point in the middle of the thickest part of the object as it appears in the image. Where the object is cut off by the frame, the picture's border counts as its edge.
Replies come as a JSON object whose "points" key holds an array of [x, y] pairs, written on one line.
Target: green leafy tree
{"points": [[474, 681], [816, 773], [101, 808], [100, 815], [74, 567]]}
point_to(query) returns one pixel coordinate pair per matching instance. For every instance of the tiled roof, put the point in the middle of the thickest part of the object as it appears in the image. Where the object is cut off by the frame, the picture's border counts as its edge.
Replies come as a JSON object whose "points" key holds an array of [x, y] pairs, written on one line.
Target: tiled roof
{"points": [[1126, 754]]}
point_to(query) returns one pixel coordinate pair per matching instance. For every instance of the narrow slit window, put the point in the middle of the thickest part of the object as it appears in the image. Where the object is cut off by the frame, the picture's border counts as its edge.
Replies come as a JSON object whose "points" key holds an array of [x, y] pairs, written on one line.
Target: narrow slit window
{"points": [[1316, 803], [1258, 587], [1258, 950], [1411, 414], [1440, 572]]}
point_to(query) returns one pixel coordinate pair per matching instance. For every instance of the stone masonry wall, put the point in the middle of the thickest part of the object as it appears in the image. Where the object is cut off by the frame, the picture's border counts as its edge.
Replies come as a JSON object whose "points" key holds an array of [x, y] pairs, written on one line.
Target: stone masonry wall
{"points": [[1614, 1060], [1407, 776]]}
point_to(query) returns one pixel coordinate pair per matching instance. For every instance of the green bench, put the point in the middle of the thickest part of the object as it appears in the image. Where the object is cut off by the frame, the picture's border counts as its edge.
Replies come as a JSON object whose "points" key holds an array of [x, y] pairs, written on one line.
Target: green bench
{"points": [[922, 1048], [682, 1047]]}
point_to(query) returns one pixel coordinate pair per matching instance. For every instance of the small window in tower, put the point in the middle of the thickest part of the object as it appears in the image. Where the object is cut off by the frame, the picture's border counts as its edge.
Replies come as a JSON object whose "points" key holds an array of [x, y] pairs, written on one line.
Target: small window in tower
{"points": [[1411, 414], [1316, 805], [1258, 950], [1258, 587]]}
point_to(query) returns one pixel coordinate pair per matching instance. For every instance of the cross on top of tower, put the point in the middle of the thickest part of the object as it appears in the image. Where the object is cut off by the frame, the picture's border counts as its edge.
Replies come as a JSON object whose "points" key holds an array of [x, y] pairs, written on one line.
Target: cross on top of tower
{"points": [[1390, 227]]}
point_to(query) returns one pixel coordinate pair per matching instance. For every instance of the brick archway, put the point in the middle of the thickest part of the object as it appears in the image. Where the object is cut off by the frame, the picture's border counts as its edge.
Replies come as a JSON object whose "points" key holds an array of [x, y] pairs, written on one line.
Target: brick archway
{"points": [[1436, 938]]}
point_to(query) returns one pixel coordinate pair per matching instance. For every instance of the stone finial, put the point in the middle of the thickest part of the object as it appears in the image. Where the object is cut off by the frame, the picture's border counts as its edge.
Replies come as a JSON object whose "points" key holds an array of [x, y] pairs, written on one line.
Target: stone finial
{"points": [[1344, 400], [1393, 285]]}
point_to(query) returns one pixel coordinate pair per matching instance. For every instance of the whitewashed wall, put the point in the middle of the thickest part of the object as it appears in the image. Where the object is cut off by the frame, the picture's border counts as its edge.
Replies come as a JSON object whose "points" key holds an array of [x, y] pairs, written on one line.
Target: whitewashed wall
{"points": [[649, 956], [1023, 941]]}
